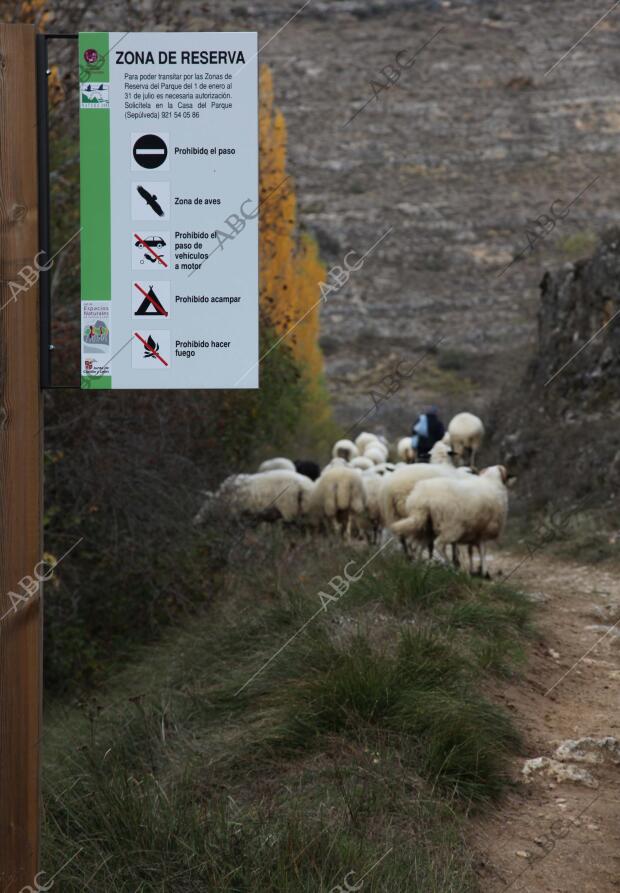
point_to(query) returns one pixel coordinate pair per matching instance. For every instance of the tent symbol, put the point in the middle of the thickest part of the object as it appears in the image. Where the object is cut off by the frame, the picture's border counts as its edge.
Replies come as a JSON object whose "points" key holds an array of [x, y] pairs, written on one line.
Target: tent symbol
{"points": [[151, 305]]}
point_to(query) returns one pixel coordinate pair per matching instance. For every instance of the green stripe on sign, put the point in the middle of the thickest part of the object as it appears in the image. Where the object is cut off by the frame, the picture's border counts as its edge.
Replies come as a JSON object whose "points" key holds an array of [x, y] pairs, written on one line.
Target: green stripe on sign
{"points": [[95, 166], [96, 382]]}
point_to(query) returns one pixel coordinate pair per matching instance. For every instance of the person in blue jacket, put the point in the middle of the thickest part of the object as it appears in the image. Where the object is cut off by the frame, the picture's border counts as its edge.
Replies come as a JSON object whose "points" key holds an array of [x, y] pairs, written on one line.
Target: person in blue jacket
{"points": [[426, 431]]}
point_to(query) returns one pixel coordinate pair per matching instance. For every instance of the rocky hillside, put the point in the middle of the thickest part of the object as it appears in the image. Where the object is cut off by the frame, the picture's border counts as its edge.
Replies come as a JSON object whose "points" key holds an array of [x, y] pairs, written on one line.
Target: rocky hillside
{"points": [[474, 141], [559, 427]]}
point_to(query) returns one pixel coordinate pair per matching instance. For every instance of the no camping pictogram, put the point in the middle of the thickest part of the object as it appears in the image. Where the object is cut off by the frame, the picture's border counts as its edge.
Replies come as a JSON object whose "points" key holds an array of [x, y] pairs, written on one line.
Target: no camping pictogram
{"points": [[152, 299]]}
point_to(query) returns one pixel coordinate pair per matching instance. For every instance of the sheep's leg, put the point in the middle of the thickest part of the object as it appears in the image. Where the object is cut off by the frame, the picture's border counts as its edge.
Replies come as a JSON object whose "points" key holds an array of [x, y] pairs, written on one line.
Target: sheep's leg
{"points": [[441, 550], [456, 560], [483, 570], [341, 525], [411, 548], [470, 552], [430, 546], [346, 526]]}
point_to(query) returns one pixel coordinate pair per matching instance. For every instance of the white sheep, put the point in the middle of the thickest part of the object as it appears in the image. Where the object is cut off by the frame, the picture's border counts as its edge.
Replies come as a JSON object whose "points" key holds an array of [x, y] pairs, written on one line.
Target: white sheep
{"points": [[362, 462], [466, 433], [278, 464], [405, 450], [225, 490], [335, 463], [338, 497], [345, 449], [377, 453], [383, 468], [372, 520], [457, 509], [376, 443], [364, 439], [266, 496], [441, 454], [397, 486]]}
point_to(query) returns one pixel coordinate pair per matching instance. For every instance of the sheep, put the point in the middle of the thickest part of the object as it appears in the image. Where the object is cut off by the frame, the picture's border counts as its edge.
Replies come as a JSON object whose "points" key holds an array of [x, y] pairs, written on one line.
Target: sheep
{"points": [[372, 520], [397, 486], [338, 462], [338, 495], [276, 465], [364, 439], [405, 450], [441, 454], [376, 452], [378, 442], [306, 466], [458, 509], [345, 449], [383, 468], [225, 490], [362, 462], [466, 433], [266, 496]]}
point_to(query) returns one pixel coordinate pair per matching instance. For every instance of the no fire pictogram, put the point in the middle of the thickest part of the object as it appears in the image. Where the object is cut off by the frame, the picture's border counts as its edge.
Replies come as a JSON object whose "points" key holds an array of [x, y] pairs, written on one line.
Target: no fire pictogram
{"points": [[150, 349]]}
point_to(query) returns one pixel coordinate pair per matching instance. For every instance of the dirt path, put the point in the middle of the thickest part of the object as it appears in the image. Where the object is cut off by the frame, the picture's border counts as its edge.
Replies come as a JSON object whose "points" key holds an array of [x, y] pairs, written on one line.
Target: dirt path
{"points": [[550, 836]]}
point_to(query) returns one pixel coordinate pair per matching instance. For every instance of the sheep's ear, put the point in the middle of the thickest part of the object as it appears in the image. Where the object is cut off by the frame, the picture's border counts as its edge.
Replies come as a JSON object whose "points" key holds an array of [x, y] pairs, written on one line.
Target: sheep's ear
{"points": [[512, 480], [504, 473]]}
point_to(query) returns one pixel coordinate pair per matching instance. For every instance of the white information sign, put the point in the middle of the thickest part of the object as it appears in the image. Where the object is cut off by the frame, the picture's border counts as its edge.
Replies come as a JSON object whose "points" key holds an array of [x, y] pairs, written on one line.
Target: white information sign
{"points": [[169, 210]]}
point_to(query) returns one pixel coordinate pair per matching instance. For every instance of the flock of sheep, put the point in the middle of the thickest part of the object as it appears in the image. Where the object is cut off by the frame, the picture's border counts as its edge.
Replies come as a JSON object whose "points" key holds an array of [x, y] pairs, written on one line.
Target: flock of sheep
{"points": [[360, 494]]}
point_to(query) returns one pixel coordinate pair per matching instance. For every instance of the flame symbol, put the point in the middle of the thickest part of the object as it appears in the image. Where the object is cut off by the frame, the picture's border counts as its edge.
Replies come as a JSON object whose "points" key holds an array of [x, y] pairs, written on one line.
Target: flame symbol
{"points": [[151, 347]]}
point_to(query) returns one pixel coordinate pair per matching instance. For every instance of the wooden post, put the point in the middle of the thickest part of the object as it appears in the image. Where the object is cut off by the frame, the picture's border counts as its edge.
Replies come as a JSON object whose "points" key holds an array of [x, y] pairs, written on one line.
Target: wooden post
{"points": [[21, 465]]}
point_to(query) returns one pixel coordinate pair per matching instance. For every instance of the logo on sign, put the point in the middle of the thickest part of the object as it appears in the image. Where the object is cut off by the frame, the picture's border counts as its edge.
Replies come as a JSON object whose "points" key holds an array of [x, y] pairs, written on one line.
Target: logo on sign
{"points": [[94, 95]]}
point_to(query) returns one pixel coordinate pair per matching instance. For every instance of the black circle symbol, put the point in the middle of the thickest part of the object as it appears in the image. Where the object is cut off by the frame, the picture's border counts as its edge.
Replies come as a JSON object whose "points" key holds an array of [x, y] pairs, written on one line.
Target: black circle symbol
{"points": [[150, 151]]}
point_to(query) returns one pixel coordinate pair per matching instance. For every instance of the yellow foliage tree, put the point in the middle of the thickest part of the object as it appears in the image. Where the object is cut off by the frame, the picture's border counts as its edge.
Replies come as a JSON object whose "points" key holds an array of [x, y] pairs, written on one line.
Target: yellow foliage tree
{"points": [[291, 270], [35, 12]]}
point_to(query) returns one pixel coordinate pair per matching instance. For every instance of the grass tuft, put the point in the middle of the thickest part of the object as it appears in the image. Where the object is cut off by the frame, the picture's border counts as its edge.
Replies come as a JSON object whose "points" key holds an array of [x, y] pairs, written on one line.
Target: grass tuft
{"points": [[357, 752]]}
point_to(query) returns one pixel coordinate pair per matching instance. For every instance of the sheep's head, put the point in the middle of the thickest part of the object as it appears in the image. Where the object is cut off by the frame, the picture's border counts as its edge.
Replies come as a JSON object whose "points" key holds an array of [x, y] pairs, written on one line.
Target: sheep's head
{"points": [[442, 454], [500, 474]]}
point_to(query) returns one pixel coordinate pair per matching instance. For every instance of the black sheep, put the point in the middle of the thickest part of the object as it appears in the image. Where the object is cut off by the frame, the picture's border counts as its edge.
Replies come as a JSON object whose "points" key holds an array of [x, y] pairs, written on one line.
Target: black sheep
{"points": [[306, 466]]}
